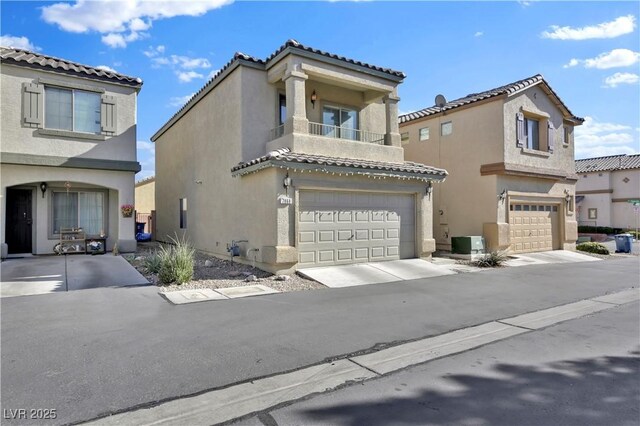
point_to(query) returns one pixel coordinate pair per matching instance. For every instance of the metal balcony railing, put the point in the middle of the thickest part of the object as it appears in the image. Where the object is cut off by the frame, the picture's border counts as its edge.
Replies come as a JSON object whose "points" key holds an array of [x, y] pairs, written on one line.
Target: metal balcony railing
{"points": [[336, 132], [277, 132]]}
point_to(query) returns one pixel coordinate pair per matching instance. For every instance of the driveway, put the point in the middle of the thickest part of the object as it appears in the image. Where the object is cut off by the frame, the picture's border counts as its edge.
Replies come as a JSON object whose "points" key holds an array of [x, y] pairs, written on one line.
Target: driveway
{"points": [[48, 274]]}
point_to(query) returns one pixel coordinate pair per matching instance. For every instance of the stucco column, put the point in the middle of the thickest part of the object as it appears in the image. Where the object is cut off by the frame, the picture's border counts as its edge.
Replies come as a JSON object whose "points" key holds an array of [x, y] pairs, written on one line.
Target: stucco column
{"points": [[126, 225], [392, 136], [297, 121]]}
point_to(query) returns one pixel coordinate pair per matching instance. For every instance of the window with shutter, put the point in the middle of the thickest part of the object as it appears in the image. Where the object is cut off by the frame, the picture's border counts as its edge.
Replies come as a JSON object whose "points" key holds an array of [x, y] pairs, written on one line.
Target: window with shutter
{"points": [[32, 104], [108, 114]]}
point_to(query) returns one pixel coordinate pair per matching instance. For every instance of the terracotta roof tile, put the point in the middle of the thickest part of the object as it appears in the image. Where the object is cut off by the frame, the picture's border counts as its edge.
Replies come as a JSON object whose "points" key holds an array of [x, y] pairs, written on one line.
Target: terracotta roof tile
{"points": [[476, 97], [27, 58], [610, 163], [285, 155]]}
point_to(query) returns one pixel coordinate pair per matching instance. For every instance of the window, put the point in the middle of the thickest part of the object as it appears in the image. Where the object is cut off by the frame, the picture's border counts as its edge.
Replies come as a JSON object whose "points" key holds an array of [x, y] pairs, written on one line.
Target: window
{"points": [[532, 133], [72, 110], [567, 135], [593, 213], [282, 108], [79, 209], [340, 122], [183, 213], [446, 128], [424, 134]]}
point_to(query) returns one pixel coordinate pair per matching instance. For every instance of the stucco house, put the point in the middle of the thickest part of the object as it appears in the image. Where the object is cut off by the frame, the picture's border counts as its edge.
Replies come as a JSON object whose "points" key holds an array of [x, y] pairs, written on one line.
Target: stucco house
{"points": [[296, 159], [68, 152], [510, 155], [608, 191]]}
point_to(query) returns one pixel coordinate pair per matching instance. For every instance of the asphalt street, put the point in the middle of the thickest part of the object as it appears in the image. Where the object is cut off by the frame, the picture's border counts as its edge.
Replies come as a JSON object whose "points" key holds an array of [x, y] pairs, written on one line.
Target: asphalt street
{"points": [[94, 352], [581, 372]]}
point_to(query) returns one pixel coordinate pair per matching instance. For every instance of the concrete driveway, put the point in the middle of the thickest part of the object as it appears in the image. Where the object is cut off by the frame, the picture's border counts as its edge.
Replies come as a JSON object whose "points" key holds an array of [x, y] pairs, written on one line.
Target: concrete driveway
{"points": [[49, 274]]}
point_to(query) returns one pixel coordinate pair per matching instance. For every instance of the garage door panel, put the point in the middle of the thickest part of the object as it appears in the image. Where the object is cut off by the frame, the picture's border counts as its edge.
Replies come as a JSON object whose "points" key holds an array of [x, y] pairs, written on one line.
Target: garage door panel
{"points": [[533, 227], [352, 227]]}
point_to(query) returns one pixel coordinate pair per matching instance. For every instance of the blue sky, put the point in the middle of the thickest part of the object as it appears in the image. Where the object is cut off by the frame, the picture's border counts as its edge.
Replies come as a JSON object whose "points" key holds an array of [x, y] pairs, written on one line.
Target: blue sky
{"points": [[587, 51]]}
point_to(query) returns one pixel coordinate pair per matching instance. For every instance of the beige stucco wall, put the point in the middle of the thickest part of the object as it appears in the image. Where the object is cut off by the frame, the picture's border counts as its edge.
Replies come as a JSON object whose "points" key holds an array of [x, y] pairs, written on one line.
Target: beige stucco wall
{"points": [[118, 184], [18, 139], [145, 196], [25, 140], [608, 192], [485, 133]]}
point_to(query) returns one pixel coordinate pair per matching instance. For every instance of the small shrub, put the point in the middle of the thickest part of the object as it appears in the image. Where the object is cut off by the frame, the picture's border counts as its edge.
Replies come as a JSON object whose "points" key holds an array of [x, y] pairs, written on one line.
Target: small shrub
{"points": [[176, 262], [596, 248], [491, 260], [152, 263]]}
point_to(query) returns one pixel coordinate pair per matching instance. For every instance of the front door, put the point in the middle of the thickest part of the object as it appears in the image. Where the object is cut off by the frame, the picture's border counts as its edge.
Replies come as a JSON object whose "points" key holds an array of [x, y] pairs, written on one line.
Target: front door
{"points": [[18, 224]]}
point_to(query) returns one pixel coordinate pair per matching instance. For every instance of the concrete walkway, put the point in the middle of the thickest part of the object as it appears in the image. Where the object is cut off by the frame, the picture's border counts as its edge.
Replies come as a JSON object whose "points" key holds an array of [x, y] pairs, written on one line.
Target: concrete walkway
{"points": [[48, 274], [375, 273]]}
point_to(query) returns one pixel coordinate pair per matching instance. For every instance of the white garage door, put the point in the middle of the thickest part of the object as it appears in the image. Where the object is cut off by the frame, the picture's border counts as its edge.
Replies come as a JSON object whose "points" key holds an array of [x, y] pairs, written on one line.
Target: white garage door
{"points": [[533, 227], [336, 227]]}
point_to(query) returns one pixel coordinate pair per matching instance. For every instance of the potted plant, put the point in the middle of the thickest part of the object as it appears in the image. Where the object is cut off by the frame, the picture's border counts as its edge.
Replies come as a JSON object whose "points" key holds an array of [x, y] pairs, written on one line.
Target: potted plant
{"points": [[127, 210]]}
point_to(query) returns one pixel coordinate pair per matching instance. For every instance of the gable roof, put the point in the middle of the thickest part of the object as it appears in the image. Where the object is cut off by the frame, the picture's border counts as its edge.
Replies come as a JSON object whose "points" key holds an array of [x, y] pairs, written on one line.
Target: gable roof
{"points": [[506, 90], [283, 157], [610, 163], [27, 58], [291, 46]]}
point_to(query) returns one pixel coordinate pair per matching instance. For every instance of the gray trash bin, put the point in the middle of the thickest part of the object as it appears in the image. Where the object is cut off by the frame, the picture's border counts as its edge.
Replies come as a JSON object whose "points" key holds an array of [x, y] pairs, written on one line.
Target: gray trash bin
{"points": [[623, 243]]}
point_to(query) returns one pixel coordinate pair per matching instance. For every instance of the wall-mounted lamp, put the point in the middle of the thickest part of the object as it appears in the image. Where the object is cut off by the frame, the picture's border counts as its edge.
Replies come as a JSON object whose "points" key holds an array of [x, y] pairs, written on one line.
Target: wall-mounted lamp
{"points": [[286, 182], [502, 195], [567, 197], [43, 188], [314, 98], [429, 189]]}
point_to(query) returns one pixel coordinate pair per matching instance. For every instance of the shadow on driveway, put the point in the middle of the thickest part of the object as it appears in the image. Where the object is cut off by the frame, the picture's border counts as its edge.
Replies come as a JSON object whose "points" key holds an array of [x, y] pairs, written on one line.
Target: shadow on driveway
{"points": [[49, 274]]}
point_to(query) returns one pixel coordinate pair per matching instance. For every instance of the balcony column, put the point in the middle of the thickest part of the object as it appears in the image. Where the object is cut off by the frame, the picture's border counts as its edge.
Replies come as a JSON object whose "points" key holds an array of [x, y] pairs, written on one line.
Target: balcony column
{"points": [[297, 121], [392, 136]]}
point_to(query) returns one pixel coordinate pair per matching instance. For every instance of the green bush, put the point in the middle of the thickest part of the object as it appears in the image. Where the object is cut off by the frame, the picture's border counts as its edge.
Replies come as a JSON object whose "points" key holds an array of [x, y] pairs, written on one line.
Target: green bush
{"points": [[153, 262], [635, 234], [491, 260], [598, 230], [176, 262], [592, 248]]}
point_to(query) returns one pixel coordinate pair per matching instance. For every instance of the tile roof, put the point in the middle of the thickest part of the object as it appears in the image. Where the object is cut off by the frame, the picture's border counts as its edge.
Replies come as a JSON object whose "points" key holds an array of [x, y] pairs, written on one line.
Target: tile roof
{"points": [[475, 97], [610, 163], [243, 57], [11, 55], [282, 156]]}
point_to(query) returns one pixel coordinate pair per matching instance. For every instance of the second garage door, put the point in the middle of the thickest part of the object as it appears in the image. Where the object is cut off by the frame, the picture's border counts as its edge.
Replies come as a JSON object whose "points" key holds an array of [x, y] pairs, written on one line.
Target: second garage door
{"points": [[338, 227], [533, 227]]}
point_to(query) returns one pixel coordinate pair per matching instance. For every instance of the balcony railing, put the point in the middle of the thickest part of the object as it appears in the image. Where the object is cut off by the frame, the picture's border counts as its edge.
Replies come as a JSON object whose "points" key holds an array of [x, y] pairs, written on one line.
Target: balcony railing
{"points": [[345, 133], [335, 132]]}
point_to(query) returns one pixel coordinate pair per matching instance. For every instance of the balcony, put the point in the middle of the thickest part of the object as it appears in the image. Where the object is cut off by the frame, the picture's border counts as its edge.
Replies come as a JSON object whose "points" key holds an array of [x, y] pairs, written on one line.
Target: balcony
{"points": [[335, 132]]}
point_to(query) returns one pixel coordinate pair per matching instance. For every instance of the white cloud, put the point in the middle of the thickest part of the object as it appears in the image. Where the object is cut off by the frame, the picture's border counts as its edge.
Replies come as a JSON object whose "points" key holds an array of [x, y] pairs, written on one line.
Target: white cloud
{"points": [[106, 68], [118, 17], [478, 34], [615, 59], [114, 40], [187, 76], [617, 27], [621, 78], [212, 74], [525, 3], [152, 52], [186, 62], [178, 101], [597, 139], [17, 42], [146, 146]]}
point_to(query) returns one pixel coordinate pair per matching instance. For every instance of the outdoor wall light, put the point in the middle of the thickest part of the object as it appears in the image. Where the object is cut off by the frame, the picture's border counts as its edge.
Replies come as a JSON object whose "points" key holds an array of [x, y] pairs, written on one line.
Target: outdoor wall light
{"points": [[314, 98], [567, 197], [286, 182], [502, 195], [43, 188], [429, 188]]}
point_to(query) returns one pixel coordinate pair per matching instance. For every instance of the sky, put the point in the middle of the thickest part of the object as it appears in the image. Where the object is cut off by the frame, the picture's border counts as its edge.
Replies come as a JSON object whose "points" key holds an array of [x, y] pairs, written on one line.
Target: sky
{"points": [[587, 51]]}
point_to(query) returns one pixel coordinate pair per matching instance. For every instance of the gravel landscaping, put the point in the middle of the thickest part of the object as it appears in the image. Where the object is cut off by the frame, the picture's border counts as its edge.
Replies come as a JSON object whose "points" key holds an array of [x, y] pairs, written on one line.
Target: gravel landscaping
{"points": [[212, 272]]}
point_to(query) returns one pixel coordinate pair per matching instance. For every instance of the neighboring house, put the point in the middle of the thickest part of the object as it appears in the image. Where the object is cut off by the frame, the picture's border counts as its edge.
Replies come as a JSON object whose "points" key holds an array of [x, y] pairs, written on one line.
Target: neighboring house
{"points": [[510, 155], [608, 191], [145, 201], [68, 151], [297, 159]]}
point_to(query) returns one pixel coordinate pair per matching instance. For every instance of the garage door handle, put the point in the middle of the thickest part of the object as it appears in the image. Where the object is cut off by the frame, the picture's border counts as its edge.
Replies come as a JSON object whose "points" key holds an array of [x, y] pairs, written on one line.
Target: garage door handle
{"points": [[351, 237]]}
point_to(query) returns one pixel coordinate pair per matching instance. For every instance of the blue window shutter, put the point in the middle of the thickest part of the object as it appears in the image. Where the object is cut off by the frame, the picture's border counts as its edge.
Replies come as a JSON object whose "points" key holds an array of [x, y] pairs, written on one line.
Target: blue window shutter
{"points": [[520, 129]]}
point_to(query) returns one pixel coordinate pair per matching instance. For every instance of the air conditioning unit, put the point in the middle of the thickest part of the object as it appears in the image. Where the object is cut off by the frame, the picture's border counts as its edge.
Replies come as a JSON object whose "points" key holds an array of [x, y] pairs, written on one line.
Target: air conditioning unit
{"points": [[467, 245]]}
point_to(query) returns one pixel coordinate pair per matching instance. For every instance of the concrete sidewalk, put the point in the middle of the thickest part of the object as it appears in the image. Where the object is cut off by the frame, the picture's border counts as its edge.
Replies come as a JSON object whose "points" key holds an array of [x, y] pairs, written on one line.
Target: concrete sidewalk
{"points": [[49, 274]]}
